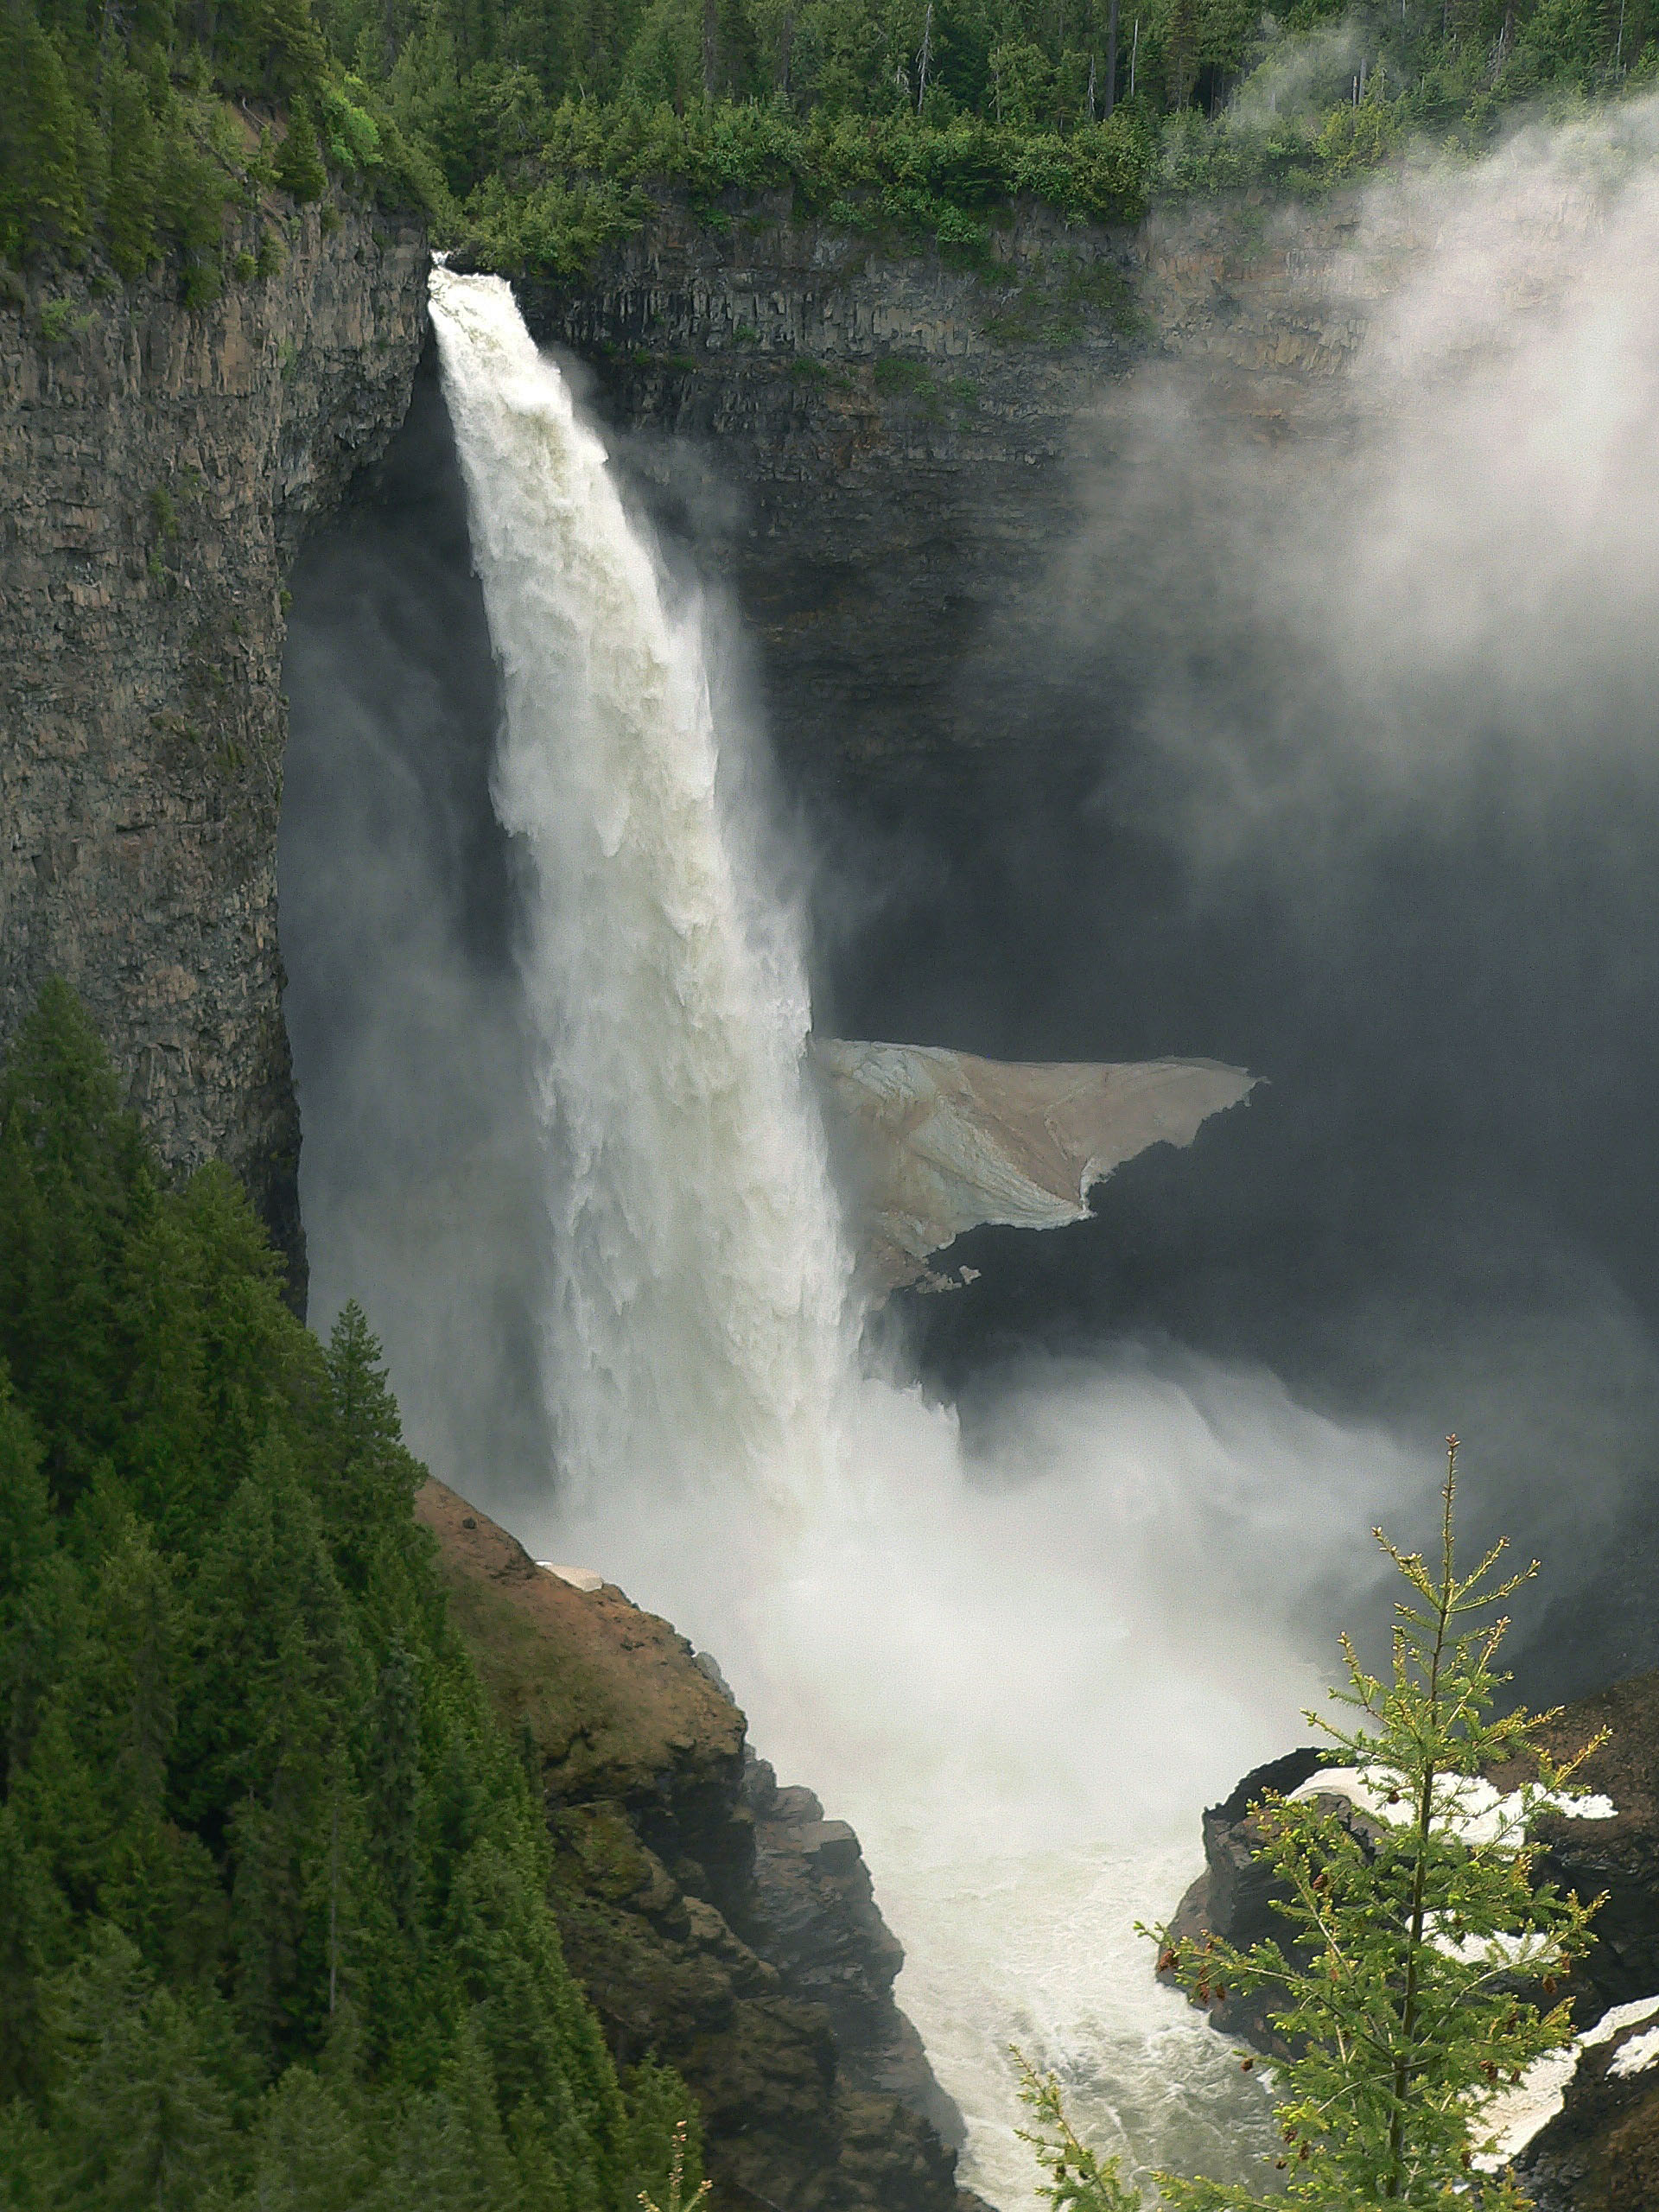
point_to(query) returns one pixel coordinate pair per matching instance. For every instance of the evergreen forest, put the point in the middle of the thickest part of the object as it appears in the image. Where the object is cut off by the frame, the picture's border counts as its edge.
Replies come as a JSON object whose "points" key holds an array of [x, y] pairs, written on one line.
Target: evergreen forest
{"points": [[533, 132], [274, 1928]]}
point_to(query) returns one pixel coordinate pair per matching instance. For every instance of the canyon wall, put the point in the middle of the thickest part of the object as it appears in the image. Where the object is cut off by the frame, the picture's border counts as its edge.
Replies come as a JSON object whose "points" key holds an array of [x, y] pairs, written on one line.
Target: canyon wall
{"points": [[879, 450], [885, 454], [161, 469]]}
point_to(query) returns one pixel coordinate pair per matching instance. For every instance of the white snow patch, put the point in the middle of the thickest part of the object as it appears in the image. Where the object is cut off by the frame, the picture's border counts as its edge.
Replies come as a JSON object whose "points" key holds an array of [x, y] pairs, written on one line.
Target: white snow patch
{"points": [[1499, 1949], [1615, 2022], [1526, 2109], [579, 1578], [1641, 2052], [1467, 1803]]}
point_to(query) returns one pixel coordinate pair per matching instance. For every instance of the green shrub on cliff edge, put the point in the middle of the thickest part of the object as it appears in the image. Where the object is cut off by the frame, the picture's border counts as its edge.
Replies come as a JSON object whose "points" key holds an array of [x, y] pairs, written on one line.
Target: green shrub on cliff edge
{"points": [[274, 1929], [534, 132], [143, 133]]}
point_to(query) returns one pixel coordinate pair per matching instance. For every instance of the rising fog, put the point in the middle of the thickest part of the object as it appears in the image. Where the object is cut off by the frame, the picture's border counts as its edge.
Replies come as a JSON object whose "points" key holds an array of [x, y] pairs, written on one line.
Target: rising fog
{"points": [[1351, 701], [1354, 782]]}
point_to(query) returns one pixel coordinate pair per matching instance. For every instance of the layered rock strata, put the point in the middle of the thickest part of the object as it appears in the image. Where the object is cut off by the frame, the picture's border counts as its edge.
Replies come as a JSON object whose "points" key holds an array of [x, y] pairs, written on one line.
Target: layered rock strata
{"points": [[885, 452], [878, 449], [161, 468], [715, 1921]]}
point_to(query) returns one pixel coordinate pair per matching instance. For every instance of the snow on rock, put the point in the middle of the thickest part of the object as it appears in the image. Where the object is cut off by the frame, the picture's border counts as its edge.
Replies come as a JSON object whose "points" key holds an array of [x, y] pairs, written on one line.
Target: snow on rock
{"points": [[1641, 2052], [579, 1578], [1526, 2109], [1468, 1803]]}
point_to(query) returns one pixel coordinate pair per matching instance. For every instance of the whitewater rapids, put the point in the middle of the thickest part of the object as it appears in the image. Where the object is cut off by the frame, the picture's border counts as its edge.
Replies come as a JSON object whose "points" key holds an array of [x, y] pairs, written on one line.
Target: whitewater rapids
{"points": [[1020, 1651]]}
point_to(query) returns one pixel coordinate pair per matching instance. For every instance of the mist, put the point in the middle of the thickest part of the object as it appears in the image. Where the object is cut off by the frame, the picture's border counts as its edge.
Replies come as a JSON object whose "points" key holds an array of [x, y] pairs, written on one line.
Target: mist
{"points": [[1347, 717], [420, 1171], [1324, 749]]}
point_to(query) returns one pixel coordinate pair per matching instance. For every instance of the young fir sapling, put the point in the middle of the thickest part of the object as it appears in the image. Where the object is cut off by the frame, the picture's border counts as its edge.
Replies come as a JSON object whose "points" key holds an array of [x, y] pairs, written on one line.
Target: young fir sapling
{"points": [[1418, 1935]]}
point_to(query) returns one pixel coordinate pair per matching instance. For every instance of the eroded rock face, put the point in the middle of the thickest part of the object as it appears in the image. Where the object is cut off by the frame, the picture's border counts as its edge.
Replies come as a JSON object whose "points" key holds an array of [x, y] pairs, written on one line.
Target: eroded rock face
{"points": [[929, 1143], [160, 468], [888, 453], [878, 449], [813, 1913], [714, 1920]]}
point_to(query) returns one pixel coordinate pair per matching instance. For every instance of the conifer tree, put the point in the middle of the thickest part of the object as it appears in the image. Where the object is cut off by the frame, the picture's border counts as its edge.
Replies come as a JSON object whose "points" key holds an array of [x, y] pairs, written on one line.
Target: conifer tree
{"points": [[275, 1933], [1421, 1943], [42, 195], [134, 171], [298, 164]]}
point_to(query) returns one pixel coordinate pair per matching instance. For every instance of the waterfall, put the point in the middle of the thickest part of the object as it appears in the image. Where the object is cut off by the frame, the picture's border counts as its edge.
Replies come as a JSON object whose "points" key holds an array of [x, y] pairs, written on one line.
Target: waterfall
{"points": [[1019, 1668], [699, 1275]]}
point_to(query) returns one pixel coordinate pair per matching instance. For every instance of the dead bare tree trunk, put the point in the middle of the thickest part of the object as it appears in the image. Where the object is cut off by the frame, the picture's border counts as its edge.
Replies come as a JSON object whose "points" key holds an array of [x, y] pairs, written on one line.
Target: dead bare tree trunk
{"points": [[785, 41], [710, 46]]}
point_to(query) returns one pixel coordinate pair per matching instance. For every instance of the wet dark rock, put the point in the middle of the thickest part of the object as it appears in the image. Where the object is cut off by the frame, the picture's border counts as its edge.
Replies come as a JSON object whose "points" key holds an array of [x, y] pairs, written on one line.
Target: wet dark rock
{"points": [[1601, 2152], [815, 1915], [161, 467], [883, 451]]}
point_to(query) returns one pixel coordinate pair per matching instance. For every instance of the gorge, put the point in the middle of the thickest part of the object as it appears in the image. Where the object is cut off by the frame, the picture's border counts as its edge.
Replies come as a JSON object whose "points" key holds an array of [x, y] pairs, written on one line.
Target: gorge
{"points": [[1153, 675]]}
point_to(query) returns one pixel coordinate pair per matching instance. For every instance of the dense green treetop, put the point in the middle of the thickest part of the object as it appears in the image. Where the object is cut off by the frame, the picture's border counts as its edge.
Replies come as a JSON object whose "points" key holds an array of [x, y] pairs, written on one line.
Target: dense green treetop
{"points": [[274, 1920], [532, 131]]}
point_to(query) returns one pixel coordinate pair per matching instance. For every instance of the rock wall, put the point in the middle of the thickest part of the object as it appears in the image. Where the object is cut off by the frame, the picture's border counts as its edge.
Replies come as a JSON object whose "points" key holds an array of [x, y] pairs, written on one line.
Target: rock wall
{"points": [[716, 1922], [160, 468], [878, 449], [884, 452]]}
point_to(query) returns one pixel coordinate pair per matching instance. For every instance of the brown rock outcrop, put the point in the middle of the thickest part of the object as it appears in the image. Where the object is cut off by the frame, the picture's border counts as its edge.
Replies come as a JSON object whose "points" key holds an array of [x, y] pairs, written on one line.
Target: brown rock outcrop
{"points": [[713, 1919]]}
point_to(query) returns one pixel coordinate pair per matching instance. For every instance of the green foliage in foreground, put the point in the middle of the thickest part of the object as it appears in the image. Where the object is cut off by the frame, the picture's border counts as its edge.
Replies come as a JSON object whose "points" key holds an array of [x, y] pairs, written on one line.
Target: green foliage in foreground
{"points": [[129, 136], [1419, 1938], [274, 1927]]}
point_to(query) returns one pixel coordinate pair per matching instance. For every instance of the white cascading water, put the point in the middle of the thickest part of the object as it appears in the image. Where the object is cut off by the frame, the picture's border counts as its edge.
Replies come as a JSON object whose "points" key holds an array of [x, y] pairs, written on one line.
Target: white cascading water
{"points": [[698, 1271], [1019, 1671]]}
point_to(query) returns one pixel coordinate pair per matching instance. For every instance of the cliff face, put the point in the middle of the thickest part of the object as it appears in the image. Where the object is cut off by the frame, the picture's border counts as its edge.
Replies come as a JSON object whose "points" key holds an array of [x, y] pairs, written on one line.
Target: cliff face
{"points": [[716, 1921], [160, 468], [879, 450], [887, 451]]}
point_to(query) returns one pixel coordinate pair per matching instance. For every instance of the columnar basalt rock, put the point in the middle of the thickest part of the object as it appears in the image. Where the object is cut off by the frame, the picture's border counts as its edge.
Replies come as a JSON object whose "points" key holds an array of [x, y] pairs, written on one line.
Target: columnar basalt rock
{"points": [[886, 451], [161, 468], [881, 450]]}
